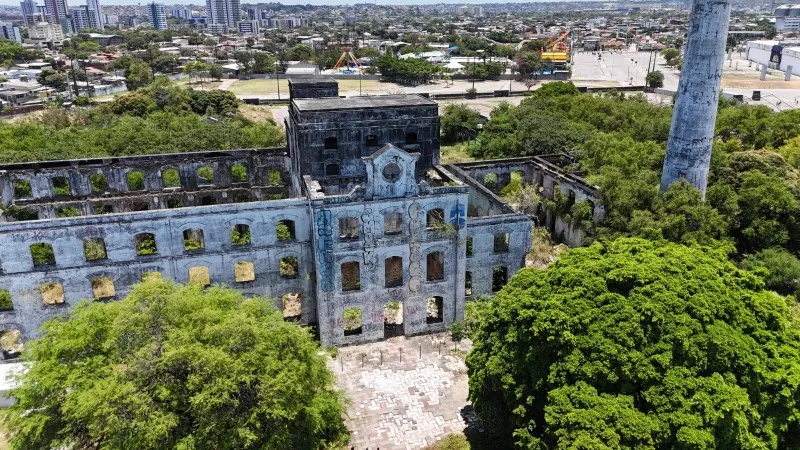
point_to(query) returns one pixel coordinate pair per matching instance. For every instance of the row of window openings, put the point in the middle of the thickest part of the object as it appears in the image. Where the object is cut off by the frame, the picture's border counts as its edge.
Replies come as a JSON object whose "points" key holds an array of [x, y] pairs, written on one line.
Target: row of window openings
{"points": [[501, 244], [244, 271], [94, 249], [393, 271], [332, 143], [103, 288], [392, 224], [98, 182], [352, 322], [23, 214]]}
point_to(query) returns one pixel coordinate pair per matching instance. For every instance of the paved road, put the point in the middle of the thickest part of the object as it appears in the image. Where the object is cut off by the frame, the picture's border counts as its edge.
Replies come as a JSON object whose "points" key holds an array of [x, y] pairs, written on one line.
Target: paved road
{"points": [[618, 68], [226, 84]]}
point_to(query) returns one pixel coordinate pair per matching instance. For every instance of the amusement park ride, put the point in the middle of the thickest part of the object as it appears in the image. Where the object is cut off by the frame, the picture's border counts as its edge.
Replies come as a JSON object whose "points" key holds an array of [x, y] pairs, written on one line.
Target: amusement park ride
{"points": [[344, 62], [557, 49]]}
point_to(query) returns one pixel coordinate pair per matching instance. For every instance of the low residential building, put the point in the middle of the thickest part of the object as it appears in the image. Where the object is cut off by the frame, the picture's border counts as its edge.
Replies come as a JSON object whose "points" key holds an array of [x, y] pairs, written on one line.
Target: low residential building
{"points": [[104, 40], [18, 93]]}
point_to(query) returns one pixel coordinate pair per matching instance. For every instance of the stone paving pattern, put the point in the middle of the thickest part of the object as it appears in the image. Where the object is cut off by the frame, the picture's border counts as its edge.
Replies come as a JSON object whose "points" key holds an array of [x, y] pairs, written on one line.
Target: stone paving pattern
{"points": [[406, 404]]}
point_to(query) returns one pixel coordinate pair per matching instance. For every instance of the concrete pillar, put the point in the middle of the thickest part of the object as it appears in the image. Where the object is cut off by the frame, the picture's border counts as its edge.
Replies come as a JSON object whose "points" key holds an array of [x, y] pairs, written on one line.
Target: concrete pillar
{"points": [[763, 75], [695, 113], [788, 75]]}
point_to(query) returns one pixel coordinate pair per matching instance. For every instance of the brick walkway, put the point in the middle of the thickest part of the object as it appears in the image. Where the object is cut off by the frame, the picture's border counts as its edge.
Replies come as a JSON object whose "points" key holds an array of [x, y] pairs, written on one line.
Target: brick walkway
{"points": [[404, 404]]}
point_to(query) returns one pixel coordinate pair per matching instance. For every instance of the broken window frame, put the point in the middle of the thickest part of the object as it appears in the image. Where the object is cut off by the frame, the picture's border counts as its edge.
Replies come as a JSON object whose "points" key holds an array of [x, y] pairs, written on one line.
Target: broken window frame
{"points": [[353, 267], [391, 265], [346, 229]]}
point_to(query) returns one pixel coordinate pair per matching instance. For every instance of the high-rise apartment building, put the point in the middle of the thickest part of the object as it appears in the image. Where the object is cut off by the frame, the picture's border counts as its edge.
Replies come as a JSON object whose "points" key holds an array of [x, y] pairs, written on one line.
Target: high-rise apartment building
{"points": [[182, 12], [42, 14], [57, 10], [10, 32], [79, 15], [97, 12], [249, 27], [29, 10], [223, 12], [158, 18]]}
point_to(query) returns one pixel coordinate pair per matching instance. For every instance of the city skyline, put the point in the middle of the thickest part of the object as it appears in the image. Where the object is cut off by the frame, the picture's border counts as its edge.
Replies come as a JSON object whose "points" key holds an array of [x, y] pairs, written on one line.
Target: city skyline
{"points": [[328, 2]]}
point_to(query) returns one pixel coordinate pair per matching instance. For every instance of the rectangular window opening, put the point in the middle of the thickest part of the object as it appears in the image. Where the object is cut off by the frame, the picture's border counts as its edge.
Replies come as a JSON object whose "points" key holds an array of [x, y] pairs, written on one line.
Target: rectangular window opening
{"points": [[393, 271], [351, 276], [348, 228], [435, 310], [352, 321]]}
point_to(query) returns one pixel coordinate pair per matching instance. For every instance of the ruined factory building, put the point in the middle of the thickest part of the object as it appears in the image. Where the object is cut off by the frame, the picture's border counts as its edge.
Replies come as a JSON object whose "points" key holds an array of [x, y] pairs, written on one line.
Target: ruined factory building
{"points": [[354, 227]]}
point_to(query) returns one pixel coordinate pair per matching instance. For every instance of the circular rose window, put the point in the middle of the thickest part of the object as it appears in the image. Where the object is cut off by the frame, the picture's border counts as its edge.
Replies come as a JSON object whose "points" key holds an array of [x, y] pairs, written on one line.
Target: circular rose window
{"points": [[392, 172]]}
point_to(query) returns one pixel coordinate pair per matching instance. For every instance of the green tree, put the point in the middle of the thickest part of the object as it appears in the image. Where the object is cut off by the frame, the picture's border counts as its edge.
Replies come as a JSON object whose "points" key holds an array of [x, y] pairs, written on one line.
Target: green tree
{"points": [[138, 75], [133, 103], [782, 267], [637, 344], [51, 78], [245, 61], [176, 367], [655, 79], [670, 54], [215, 71], [300, 52], [528, 62], [770, 212], [458, 122], [9, 50]]}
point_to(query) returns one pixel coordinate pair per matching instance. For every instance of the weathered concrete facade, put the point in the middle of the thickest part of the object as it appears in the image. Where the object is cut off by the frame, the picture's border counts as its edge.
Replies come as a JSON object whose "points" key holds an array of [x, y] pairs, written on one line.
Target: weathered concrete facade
{"points": [[694, 116], [313, 88], [334, 134], [394, 232], [546, 174]]}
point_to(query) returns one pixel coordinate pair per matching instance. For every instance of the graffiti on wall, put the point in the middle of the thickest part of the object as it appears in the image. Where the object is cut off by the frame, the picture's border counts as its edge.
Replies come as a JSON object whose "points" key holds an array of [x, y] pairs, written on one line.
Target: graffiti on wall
{"points": [[370, 256], [415, 262], [325, 250]]}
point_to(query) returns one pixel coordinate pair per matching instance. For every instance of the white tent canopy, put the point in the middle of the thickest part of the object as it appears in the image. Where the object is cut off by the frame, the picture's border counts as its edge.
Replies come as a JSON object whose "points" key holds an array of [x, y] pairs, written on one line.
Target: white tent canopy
{"points": [[454, 66]]}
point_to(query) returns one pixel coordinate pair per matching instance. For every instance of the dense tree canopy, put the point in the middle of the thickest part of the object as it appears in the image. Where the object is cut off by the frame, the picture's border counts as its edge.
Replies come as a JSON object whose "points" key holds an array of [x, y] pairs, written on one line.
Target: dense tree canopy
{"points": [[406, 71], [619, 143], [458, 121], [176, 367], [157, 119], [638, 344]]}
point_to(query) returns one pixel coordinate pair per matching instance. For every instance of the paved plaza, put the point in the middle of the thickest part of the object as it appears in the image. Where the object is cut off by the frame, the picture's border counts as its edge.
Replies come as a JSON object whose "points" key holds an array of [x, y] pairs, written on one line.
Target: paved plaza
{"points": [[403, 393]]}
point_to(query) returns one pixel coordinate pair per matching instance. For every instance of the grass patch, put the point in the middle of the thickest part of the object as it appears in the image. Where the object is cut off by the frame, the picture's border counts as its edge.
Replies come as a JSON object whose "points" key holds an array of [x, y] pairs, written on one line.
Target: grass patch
{"points": [[455, 154], [265, 86]]}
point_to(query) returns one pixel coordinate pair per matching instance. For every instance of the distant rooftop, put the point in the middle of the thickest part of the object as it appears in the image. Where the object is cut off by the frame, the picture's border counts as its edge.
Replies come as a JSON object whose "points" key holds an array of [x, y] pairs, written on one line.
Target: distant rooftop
{"points": [[378, 101]]}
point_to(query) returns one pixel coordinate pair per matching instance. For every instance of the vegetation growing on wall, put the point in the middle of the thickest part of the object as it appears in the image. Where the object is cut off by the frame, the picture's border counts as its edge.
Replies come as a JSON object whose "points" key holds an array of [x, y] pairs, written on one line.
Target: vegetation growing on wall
{"points": [[753, 199], [157, 119]]}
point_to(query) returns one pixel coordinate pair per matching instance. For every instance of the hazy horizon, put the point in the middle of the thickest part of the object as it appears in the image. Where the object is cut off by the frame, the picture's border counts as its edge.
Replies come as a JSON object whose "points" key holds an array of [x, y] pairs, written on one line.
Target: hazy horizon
{"points": [[309, 2]]}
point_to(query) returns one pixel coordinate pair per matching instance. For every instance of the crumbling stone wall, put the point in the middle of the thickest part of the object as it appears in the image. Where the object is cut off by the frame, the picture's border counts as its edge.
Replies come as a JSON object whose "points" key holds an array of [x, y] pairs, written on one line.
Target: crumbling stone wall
{"points": [[268, 176], [542, 172], [227, 217], [370, 251], [125, 267]]}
